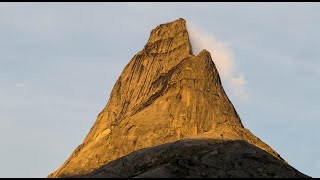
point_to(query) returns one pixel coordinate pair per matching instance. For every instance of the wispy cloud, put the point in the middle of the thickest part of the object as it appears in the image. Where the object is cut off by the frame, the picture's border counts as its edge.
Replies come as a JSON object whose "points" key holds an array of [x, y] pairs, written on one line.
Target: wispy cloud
{"points": [[222, 57]]}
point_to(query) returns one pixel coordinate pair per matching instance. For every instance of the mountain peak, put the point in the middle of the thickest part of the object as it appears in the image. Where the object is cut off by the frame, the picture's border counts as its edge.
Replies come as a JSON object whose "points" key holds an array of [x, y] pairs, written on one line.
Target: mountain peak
{"points": [[204, 52], [164, 94], [176, 25], [168, 37]]}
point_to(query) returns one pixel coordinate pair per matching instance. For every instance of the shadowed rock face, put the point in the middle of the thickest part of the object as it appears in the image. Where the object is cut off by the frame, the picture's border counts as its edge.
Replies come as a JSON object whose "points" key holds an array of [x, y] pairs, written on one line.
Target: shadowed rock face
{"points": [[206, 158], [164, 94]]}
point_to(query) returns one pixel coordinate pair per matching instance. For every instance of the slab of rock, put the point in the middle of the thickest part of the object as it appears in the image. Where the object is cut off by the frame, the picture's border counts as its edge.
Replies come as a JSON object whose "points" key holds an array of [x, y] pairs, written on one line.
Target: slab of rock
{"points": [[198, 158], [165, 93]]}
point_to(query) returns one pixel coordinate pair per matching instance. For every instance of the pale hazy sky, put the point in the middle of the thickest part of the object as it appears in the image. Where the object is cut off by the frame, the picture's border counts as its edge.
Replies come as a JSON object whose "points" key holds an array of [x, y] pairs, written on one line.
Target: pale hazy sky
{"points": [[59, 62]]}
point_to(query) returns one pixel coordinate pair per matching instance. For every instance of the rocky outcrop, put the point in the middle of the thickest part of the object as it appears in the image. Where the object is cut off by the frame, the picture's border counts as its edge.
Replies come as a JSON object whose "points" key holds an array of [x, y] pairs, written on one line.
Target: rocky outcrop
{"points": [[198, 158], [164, 94]]}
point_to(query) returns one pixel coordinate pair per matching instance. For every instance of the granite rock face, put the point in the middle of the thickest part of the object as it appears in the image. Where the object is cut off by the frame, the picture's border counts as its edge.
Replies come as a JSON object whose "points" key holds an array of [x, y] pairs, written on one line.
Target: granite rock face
{"points": [[165, 93], [198, 158]]}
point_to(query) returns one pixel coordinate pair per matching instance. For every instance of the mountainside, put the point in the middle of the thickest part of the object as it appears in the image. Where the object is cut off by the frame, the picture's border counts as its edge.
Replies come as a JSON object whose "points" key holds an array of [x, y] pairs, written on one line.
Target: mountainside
{"points": [[198, 158], [164, 94]]}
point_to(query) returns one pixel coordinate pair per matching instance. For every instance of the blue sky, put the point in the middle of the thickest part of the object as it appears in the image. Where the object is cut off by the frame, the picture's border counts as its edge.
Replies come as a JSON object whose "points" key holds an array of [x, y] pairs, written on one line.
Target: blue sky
{"points": [[59, 62]]}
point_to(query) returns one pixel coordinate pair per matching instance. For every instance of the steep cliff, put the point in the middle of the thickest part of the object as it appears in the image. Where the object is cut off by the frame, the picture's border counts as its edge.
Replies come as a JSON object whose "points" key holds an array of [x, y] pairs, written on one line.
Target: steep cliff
{"points": [[164, 94]]}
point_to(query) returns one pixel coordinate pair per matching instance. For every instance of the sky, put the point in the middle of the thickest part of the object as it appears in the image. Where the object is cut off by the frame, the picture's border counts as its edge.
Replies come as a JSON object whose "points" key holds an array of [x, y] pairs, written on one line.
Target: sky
{"points": [[59, 62]]}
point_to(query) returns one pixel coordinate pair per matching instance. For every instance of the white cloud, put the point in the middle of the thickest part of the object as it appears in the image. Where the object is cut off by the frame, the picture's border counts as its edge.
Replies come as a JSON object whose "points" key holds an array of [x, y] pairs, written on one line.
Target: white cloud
{"points": [[222, 57]]}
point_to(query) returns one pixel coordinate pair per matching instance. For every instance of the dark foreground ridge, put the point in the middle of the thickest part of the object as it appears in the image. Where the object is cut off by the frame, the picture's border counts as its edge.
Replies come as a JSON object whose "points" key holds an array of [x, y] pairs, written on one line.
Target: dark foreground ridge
{"points": [[198, 158]]}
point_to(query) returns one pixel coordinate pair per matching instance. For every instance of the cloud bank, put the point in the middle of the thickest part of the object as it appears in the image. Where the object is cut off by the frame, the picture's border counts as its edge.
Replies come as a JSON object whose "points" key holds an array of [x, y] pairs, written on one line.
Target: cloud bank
{"points": [[222, 57]]}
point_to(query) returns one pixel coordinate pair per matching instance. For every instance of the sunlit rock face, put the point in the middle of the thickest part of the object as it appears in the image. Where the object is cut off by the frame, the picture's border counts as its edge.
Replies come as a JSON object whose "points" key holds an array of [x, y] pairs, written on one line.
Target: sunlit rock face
{"points": [[164, 94]]}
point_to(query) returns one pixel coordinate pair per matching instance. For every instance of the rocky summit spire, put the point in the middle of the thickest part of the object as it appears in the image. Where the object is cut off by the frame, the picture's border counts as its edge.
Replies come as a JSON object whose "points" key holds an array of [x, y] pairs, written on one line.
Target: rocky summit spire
{"points": [[164, 94]]}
